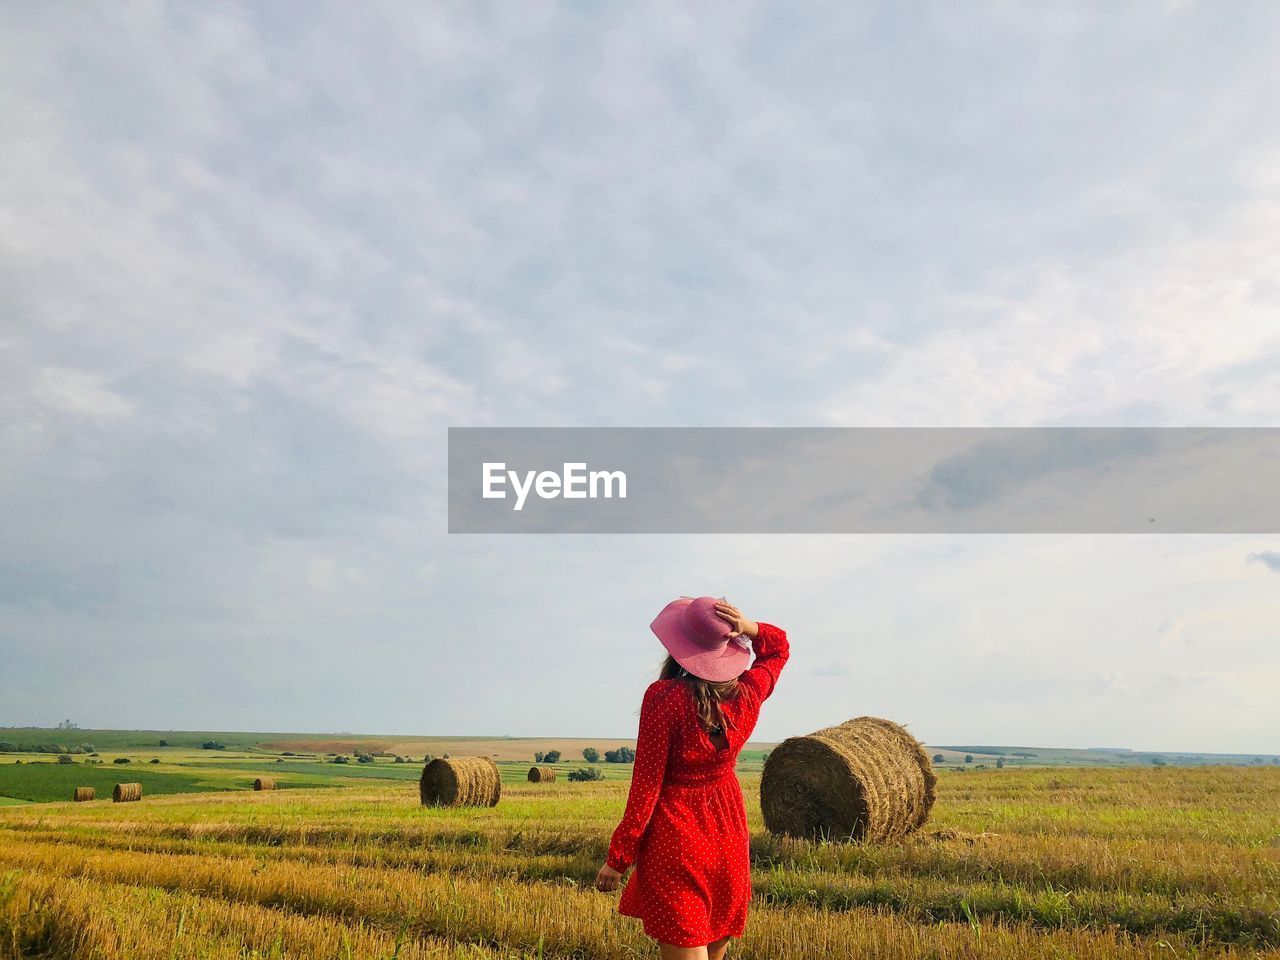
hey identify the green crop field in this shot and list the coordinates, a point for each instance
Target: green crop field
(45, 780)
(167, 762)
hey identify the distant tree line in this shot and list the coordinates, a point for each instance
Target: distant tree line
(8, 747)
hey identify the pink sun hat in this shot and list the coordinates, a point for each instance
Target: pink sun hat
(699, 640)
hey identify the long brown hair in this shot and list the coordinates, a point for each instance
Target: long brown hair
(707, 695)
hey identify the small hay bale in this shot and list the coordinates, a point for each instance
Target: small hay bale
(82, 794)
(264, 783)
(867, 779)
(460, 782)
(542, 774)
(126, 792)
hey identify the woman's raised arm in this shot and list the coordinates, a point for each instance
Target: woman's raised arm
(769, 643)
(771, 650)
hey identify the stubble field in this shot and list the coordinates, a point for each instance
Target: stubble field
(1027, 863)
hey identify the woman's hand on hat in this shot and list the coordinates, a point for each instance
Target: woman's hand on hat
(742, 627)
(607, 879)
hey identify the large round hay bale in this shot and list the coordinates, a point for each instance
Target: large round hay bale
(82, 794)
(264, 783)
(126, 792)
(867, 779)
(460, 782)
(542, 774)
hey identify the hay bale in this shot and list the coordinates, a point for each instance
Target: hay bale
(82, 794)
(542, 774)
(126, 792)
(460, 782)
(866, 779)
(264, 783)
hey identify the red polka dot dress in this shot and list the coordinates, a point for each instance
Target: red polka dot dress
(685, 827)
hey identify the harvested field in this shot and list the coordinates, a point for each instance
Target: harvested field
(1081, 863)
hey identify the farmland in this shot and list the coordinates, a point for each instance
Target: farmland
(168, 762)
(1094, 863)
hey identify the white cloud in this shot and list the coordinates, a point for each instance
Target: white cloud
(250, 273)
(77, 392)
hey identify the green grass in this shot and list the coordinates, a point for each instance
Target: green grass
(313, 768)
(40, 778)
(48, 781)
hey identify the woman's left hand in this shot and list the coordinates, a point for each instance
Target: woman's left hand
(607, 879)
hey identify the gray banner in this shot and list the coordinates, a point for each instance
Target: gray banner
(887, 480)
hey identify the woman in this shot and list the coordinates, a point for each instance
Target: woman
(685, 826)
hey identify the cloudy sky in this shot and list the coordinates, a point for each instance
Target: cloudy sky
(254, 260)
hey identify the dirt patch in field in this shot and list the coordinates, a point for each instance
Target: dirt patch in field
(499, 748)
(495, 748)
(958, 835)
(327, 746)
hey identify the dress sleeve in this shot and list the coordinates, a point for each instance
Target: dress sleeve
(772, 650)
(657, 714)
